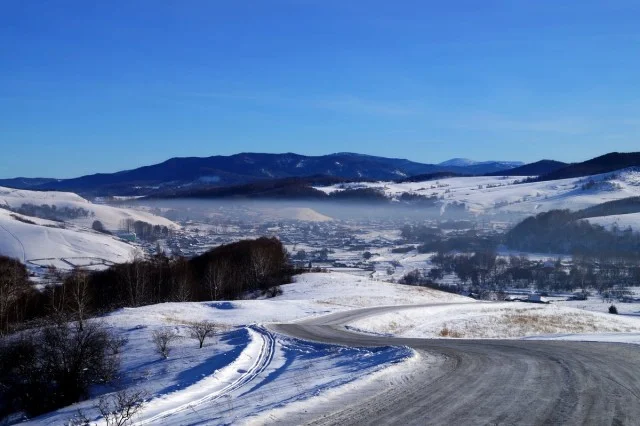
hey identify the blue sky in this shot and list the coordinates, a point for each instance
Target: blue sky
(91, 87)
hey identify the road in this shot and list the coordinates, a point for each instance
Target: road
(490, 382)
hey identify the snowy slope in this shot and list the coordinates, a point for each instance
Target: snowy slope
(45, 243)
(108, 215)
(500, 320)
(621, 221)
(311, 295)
(247, 373)
(486, 194)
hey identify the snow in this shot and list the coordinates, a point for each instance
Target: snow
(245, 373)
(620, 221)
(45, 243)
(499, 320)
(110, 217)
(486, 194)
(632, 338)
(311, 295)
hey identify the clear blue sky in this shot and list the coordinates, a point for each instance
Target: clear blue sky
(100, 86)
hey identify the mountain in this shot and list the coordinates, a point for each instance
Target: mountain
(430, 176)
(603, 164)
(616, 207)
(294, 188)
(244, 168)
(465, 162)
(532, 169)
(472, 167)
(458, 162)
(25, 183)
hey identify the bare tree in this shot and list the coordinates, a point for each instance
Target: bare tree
(214, 276)
(119, 409)
(79, 295)
(200, 330)
(79, 419)
(181, 280)
(127, 225)
(13, 284)
(162, 339)
(135, 277)
(116, 344)
(261, 263)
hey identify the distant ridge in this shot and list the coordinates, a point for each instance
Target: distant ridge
(465, 162)
(533, 169)
(244, 168)
(602, 164)
(25, 183)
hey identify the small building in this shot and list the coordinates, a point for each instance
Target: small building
(127, 236)
(536, 298)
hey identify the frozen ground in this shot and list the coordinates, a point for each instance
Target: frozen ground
(486, 194)
(108, 215)
(502, 320)
(43, 242)
(246, 373)
(65, 245)
(311, 295)
(620, 221)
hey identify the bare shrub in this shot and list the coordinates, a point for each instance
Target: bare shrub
(273, 291)
(54, 367)
(79, 419)
(200, 330)
(162, 339)
(116, 344)
(119, 409)
(99, 227)
(447, 332)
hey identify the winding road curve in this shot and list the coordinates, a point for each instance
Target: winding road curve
(491, 382)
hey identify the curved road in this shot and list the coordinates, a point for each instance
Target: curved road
(491, 382)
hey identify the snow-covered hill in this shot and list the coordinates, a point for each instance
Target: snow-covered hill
(619, 221)
(491, 194)
(110, 217)
(247, 374)
(67, 244)
(39, 242)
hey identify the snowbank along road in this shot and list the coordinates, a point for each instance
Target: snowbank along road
(496, 382)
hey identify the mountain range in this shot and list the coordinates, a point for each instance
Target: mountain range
(248, 172)
(245, 168)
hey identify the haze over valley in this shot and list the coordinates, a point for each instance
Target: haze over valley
(319, 213)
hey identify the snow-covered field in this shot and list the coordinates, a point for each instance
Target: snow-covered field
(44, 243)
(620, 221)
(502, 320)
(110, 217)
(485, 194)
(68, 244)
(247, 374)
(311, 295)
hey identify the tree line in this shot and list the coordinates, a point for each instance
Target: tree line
(484, 270)
(143, 230)
(52, 212)
(225, 272)
(563, 232)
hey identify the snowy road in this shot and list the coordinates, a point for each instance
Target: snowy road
(490, 381)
